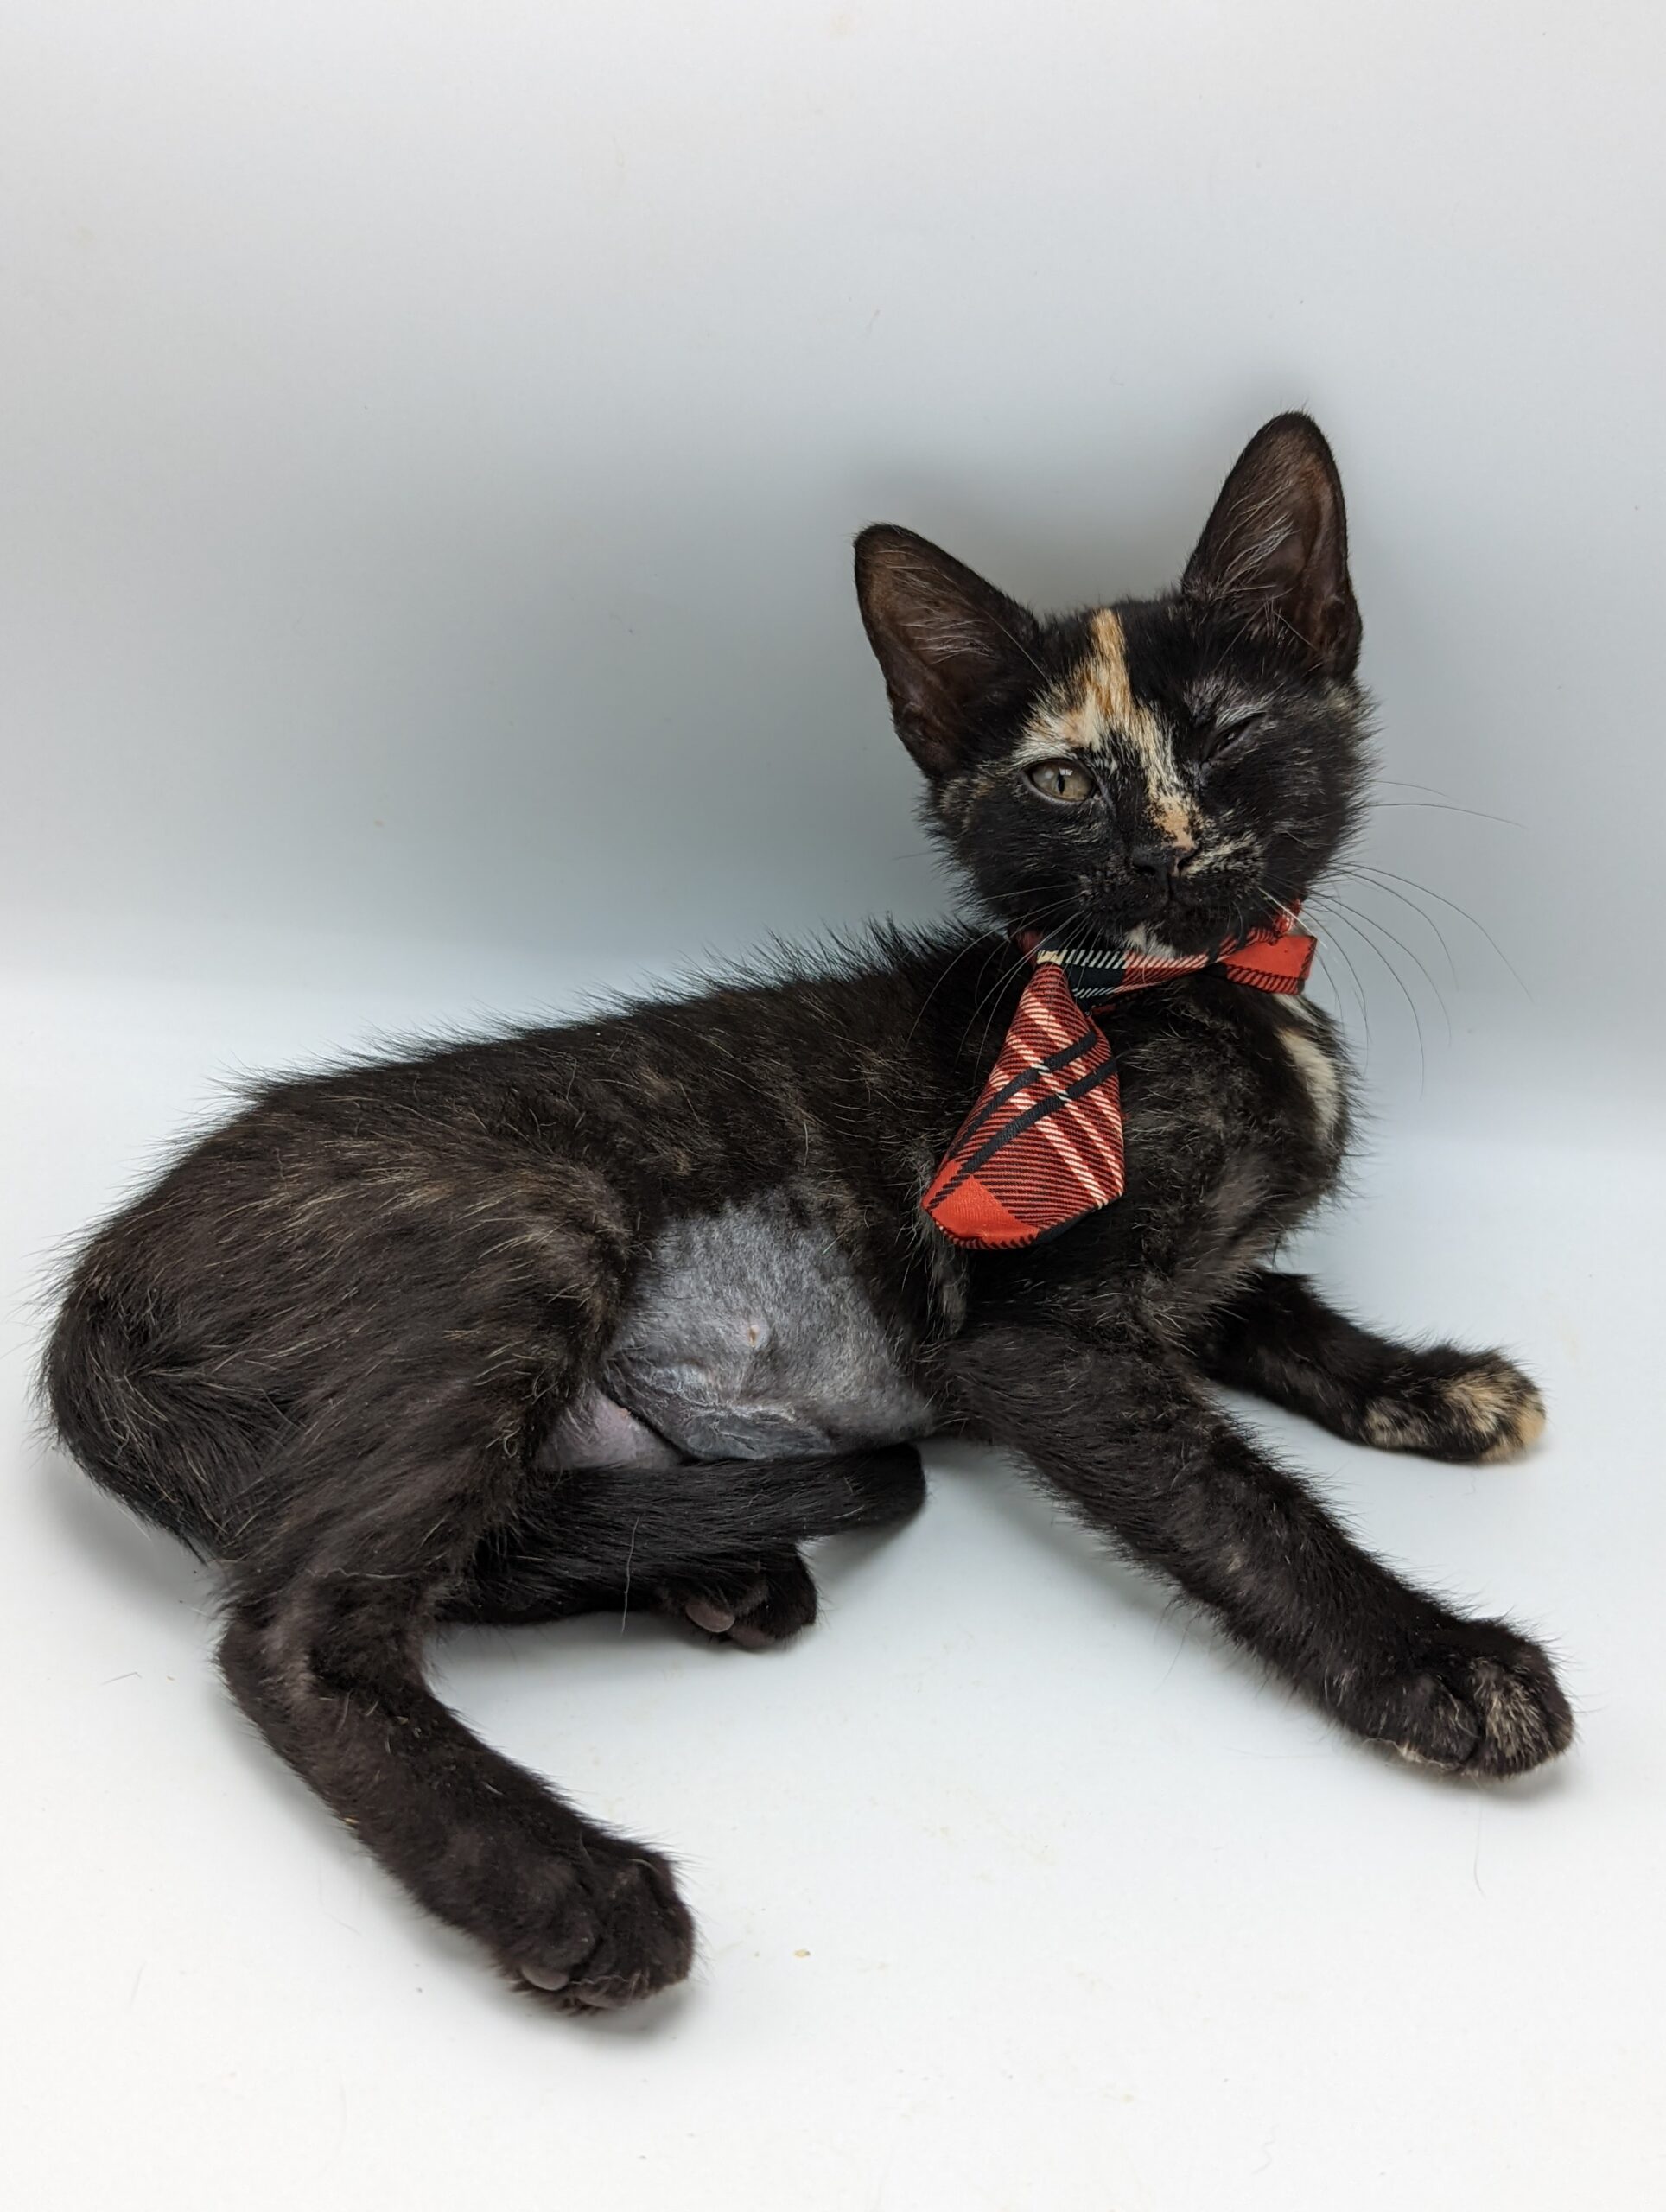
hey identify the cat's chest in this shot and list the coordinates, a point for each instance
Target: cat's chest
(1237, 1121)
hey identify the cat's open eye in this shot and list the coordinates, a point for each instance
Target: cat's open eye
(1063, 781)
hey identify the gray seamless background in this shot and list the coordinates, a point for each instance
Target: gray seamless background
(433, 448)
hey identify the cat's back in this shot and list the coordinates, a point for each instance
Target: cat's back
(832, 1077)
(446, 1209)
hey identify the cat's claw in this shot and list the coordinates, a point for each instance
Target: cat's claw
(706, 1613)
(754, 1605)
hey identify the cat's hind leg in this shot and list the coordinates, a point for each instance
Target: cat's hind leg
(369, 1530)
(330, 1671)
(1279, 1339)
(711, 1543)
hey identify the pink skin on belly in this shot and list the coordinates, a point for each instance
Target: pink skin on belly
(596, 1432)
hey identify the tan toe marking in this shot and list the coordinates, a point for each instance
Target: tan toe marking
(1498, 1397)
(1492, 1405)
(1523, 1425)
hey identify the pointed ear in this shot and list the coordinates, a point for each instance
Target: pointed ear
(1276, 546)
(946, 640)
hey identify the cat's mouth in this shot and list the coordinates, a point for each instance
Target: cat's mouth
(1180, 925)
(1192, 912)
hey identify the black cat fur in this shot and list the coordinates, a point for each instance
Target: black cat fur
(340, 1344)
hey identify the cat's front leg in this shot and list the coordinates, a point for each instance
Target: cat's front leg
(1280, 1339)
(1121, 1428)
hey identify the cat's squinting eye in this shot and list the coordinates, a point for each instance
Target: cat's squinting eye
(1231, 738)
(1063, 781)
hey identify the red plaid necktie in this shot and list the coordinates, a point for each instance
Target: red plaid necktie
(1043, 1146)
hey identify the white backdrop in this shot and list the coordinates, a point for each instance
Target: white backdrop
(432, 436)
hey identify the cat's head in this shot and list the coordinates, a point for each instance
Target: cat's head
(1169, 770)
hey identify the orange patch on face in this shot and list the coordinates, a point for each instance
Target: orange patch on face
(1099, 712)
(1109, 695)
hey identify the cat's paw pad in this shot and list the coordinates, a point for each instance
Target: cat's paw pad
(614, 1931)
(1478, 1700)
(1453, 1405)
(754, 1605)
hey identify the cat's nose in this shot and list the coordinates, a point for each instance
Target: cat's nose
(1160, 859)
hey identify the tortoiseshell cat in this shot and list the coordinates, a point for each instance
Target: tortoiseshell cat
(623, 1311)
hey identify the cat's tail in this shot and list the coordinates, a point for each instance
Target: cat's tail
(586, 1531)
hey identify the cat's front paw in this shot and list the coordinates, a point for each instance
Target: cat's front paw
(1449, 1404)
(1475, 1699)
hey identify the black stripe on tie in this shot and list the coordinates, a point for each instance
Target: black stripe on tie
(1050, 1105)
(1050, 1065)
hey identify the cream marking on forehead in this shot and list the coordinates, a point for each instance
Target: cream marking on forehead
(1099, 712)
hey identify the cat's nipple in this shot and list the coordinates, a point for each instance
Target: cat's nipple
(757, 1335)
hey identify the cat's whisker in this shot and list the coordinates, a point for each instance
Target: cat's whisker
(1358, 876)
(1046, 914)
(949, 968)
(1013, 641)
(1007, 976)
(1346, 959)
(1399, 984)
(1010, 968)
(1342, 954)
(1320, 963)
(1372, 921)
(1446, 806)
(1475, 923)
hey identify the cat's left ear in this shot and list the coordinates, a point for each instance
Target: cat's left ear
(948, 643)
(1275, 549)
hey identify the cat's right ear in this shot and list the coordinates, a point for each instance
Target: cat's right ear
(944, 639)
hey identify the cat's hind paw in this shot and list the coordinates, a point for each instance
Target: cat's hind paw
(595, 1929)
(754, 1605)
